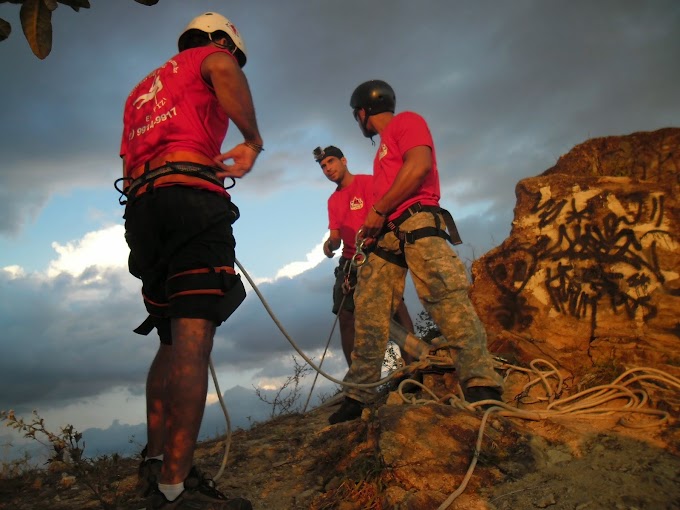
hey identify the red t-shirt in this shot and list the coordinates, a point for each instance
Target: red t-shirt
(174, 109)
(405, 131)
(347, 210)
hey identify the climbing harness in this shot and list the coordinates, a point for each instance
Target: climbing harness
(215, 281)
(133, 187)
(450, 232)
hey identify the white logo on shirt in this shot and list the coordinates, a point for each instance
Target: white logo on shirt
(155, 88)
(383, 151)
(355, 204)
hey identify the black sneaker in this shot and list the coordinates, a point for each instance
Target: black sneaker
(199, 494)
(479, 393)
(349, 410)
(148, 475)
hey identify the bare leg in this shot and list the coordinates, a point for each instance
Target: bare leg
(156, 396)
(346, 320)
(187, 387)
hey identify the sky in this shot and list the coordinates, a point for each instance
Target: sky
(506, 87)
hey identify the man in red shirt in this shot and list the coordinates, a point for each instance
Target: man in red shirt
(178, 221)
(410, 230)
(347, 209)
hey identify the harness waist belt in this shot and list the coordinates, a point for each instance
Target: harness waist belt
(175, 167)
(452, 235)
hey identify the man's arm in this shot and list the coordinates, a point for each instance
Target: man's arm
(332, 243)
(233, 93)
(417, 164)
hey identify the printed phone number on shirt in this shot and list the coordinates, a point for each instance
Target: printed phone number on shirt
(152, 122)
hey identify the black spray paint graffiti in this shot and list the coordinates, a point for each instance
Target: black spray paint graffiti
(586, 264)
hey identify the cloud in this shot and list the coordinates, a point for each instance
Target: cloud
(67, 331)
(103, 248)
(312, 259)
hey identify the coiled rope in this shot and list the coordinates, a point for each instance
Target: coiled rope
(589, 402)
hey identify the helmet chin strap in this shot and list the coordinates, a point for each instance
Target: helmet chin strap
(365, 131)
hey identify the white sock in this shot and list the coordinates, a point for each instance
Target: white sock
(157, 457)
(171, 491)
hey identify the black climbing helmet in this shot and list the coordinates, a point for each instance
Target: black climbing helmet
(374, 96)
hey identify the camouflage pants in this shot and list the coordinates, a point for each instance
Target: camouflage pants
(442, 286)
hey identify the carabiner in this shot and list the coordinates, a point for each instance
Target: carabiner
(359, 258)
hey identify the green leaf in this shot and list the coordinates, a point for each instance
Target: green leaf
(5, 29)
(76, 4)
(36, 21)
(147, 2)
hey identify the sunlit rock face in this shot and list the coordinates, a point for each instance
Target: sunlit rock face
(591, 270)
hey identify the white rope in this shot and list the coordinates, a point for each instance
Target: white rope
(328, 342)
(589, 402)
(227, 445)
(302, 354)
(299, 351)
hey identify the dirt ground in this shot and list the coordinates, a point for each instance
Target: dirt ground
(571, 464)
(576, 464)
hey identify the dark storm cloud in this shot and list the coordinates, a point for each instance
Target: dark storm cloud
(497, 81)
(61, 344)
(70, 338)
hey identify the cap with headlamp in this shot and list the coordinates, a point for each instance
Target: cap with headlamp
(321, 154)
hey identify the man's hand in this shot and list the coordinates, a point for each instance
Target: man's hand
(243, 158)
(327, 250)
(372, 226)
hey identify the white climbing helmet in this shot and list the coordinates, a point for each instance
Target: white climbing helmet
(212, 22)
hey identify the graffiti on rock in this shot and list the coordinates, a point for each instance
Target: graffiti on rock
(597, 250)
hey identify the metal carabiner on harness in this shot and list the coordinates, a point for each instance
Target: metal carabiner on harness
(347, 286)
(359, 258)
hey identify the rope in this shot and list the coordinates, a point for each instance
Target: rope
(227, 446)
(302, 354)
(323, 356)
(299, 351)
(357, 261)
(589, 402)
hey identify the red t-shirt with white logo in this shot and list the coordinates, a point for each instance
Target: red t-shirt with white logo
(174, 109)
(347, 210)
(405, 131)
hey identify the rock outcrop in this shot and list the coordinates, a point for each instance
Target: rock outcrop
(591, 270)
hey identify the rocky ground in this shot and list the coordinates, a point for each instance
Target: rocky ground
(300, 462)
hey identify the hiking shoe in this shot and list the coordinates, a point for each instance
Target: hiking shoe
(148, 475)
(199, 494)
(349, 410)
(478, 393)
